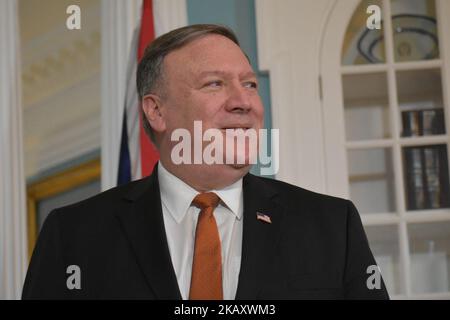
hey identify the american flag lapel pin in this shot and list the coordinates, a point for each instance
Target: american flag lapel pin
(263, 217)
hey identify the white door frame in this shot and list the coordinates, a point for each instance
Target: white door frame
(332, 104)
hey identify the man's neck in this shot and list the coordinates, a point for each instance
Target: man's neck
(205, 177)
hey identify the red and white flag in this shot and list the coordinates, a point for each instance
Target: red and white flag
(138, 155)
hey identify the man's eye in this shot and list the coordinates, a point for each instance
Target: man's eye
(214, 84)
(251, 84)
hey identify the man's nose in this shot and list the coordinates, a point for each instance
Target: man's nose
(238, 99)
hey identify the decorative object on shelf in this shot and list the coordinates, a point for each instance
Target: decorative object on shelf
(426, 177)
(423, 122)
(415, 38)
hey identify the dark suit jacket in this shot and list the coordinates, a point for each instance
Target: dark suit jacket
(315, 247)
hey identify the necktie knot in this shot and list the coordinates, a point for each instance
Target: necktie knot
(206, 200)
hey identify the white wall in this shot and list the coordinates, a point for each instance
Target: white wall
(289, 37)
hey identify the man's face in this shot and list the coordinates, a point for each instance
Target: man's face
(210, 80)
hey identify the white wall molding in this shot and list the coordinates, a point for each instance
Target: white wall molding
(75, 130)
(59, 58)
(289, 34)
(13, 245)
(63, 64)
(119, 20)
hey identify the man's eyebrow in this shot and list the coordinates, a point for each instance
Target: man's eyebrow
(249, 74)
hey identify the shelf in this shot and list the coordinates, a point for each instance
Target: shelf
(362, 103)
(364, 68)
(418, 65)
(405, 142)
(398, 297)
(380, 219)
(430, 296)
(414, 103)
(398, 66)
(424, 216)
(370, 144)
(427, 296)
(424, 140)
(368, 177)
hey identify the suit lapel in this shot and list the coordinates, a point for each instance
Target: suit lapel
(143, 225)
(259, 237)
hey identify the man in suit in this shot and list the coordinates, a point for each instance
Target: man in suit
(202, 231)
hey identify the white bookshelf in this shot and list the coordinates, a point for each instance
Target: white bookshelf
(412, 247)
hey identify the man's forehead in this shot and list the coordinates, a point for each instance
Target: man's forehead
(209, 55)
(211, 46)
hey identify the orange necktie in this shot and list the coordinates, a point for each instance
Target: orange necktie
(206, 281)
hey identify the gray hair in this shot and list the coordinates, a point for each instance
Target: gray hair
(150, 76)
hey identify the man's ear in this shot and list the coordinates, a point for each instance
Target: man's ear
(151, 105)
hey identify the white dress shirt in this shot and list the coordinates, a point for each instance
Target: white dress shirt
(180, 222)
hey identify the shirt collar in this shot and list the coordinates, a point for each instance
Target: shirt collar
(232, 197)
(177, 196)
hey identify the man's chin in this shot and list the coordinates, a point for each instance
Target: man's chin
(240, 167)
